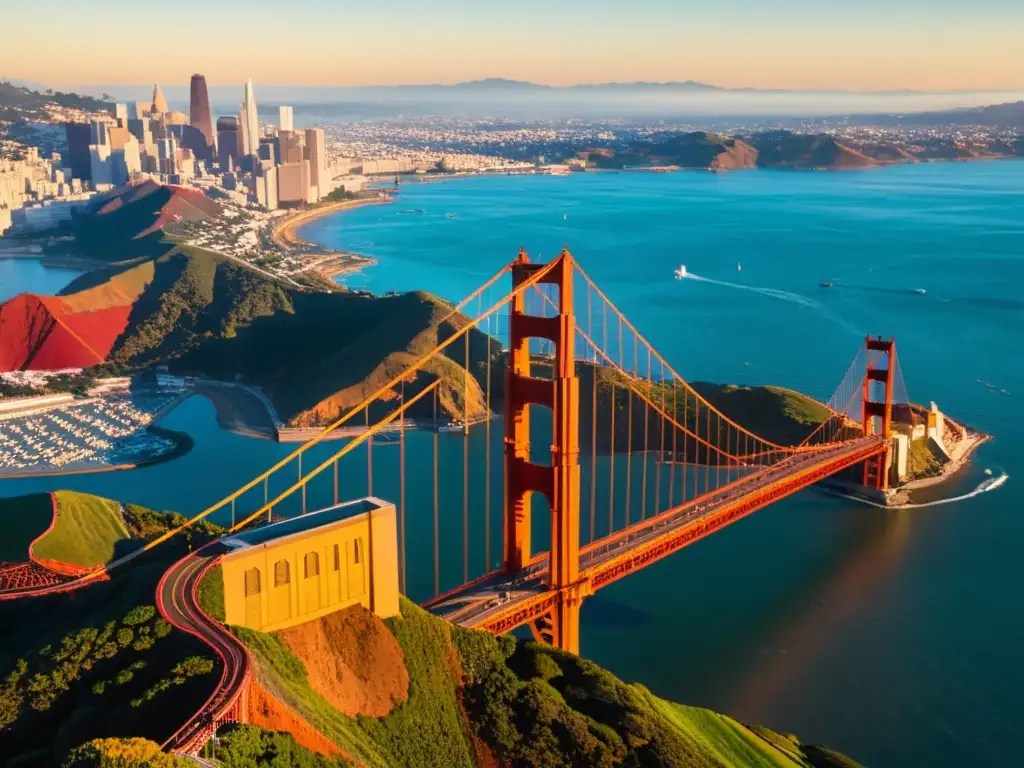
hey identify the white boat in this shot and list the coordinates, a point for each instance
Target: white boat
(921, 291)
(450, 215)
(739, 267)
(681, 272)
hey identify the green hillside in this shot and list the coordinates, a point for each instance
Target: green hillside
(783, 416)
(204, 315)
(473, 695)
(89, 530)
(86, 532)
(101, 663)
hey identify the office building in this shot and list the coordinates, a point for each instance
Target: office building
(136, 110)
(121, 113)
(293, 183)
(285, 121)
(200, 115)
(266, 188)
(101, 169)
(290, 146)
(79, 137)
(159, 102)
(248, 122)
(97, 132)
(316, 153)
(227, 141)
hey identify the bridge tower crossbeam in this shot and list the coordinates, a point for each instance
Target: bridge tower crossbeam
(559, 482)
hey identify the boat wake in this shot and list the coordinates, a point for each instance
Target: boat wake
(773, 293)
(986, 485)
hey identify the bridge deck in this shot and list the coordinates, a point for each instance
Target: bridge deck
(503, 601)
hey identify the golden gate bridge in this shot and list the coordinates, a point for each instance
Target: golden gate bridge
(606, 460)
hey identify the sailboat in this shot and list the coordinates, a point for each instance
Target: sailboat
(681, 272)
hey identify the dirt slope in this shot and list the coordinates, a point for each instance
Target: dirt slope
(353, 661)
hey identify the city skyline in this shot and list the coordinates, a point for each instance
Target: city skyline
(794, 44)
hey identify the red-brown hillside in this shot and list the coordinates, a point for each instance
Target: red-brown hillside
(45, 333)
(142, 209)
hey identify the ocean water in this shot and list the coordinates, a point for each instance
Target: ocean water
(22, 275)
(894, 636)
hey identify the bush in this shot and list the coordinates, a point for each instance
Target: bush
(122, 753)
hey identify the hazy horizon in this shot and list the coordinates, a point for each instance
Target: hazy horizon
(929, 45)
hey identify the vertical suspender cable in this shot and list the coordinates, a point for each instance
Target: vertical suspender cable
(437, 578)
(647, 424)
(369, 457)
(487, 456)
(401, 494)
(465, 466)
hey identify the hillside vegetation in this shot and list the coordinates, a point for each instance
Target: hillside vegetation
(89, 531)
(475, 699)
(101, 663)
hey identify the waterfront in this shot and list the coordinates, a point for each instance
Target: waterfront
(892, 636)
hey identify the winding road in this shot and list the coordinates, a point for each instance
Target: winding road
(177, 602)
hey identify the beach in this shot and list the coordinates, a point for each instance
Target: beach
(327, 263)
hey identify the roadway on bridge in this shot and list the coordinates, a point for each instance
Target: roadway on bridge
(176, 600)
(501, 594)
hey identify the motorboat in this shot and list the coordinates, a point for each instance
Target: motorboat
(826, 285)
(920, 291)
(681, 272)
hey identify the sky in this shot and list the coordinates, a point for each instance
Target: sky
(799, 44)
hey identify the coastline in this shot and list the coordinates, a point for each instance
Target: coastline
(328, 264)
(183, 443)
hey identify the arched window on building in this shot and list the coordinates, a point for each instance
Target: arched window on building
(252, 582)
(282, 573)
(311, 565)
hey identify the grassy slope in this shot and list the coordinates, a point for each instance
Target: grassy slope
(87, 659)
(87, 531)
(22, 519)
(529, 705)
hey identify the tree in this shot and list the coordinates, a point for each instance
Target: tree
(121, 753)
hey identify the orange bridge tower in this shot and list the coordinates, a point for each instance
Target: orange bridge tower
(559, 482)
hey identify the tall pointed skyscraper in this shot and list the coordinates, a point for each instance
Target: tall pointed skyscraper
(250, 123)
(200, 115)
(159, 102)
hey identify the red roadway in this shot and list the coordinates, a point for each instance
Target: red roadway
(176, 600)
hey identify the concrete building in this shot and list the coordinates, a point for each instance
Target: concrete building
(101, 169)
(78, 160)
(293, 183)
(159, 105)
(285, 121)
(199, 114)
(301, 569)
(266, 188)
(227, 141)
(249, 122)
(290, 147)
(121, 113)
(316, 153)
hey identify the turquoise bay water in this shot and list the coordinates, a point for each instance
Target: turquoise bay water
(892, 635)
(22, 275)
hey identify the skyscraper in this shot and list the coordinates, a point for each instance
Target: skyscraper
(200, 115)
(285, 120)
(227, 140)
(316, 150)
(249, 123)
(159, 102)
(79, 137)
